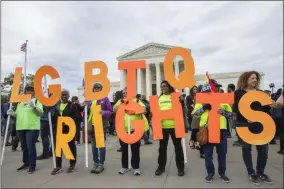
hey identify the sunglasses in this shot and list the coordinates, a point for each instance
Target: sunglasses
(97, 87)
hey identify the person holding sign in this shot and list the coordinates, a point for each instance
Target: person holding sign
(99, 154)
(165, 103)
(135, 148)
(28, 126)
(66, 109)
(225, 112)
(248, 82)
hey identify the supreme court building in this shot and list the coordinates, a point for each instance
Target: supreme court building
(149, 79)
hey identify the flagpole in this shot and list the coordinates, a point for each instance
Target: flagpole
(25, 71)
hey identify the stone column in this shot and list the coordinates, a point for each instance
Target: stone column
(148, 81)
(176, 71)
(122, 79)
(158, 78)
(139, 81)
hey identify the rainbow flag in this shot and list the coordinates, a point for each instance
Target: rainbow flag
(208, 86)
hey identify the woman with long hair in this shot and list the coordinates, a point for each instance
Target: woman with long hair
(248, 82)
(165, 103)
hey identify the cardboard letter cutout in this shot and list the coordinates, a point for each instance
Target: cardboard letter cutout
(137, 125)
(15, 97)
(90, 79)
(214, 99)
(55, 90)
(158, 115)
(131, 68)
(98, 126)
(186, 78)
(63, 139)
(267, 122)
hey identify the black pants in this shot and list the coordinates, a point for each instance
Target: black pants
(45, 134)
(282, 135)
(78, 130)
(146, 136)
(162, 159)
(15, 138)
(73, 149)
(135, 158)
(193, 134)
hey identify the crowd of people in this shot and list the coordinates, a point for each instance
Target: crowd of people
(29, 120)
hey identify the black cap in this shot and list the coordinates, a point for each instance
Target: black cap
(215, 83)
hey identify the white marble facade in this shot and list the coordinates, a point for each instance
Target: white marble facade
(149, 79)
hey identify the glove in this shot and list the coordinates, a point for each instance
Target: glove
(31, 104)
(207, 107)
(10, 112)
(101, 112)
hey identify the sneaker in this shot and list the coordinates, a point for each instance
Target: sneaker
(197, 146)
(31, 170)
(41, 157)
(209, 178)
(181, 172)
(23, 167)
(191, 144)
(78, 143)
(229, 136)
(119, 150)
(254, 179)
(272, 142)
(159, 171)
(225, 179)
(56, 170)
(8, 144)
(281, 152)
(148, 142)
(71, 169)
(265, 179)
(94, 168)
(99, 169)
(122, 171)
(237, 143)
(137, 172)
(202, 156)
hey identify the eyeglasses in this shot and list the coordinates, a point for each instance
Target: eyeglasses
(97, 87)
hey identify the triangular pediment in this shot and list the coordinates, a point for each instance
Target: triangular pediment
(146, 51)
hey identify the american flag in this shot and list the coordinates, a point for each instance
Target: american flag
(23, 47)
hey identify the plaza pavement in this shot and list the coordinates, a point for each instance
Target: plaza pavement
(82, 178)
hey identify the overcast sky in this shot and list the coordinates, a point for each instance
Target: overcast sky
(223, 36)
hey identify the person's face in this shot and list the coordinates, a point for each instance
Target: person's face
(252, 81)
(124, 94)
(165, 88)
(64, 96)
(194, 90)
(97, 88)
(30, 91)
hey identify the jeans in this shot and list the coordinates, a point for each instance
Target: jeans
(221, 150)
(44, 134)
(99, 154)
(28, 142)
(162, 159)
(262, 156)
(146, 135)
